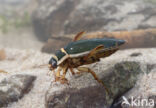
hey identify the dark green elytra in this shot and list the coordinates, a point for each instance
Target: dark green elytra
(87, 45)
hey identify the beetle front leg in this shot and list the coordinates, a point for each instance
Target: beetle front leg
(57, 74)
(85, 69)
(62, 78)
(64, 71)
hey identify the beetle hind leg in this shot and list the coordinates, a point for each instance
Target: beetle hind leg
(94, 51)
(85, 69)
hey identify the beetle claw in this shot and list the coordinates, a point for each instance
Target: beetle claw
(57, 79)
(62, 80)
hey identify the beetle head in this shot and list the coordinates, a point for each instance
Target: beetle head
(52, 63)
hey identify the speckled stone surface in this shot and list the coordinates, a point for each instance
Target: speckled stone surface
(14, 88)
(29, 62)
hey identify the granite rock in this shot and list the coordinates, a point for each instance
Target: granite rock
(83, 92)
(14, 88)
(139, 72)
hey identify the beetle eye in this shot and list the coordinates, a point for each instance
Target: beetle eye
(53, 62)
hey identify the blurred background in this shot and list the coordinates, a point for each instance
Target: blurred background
(47, 25)
(30, 27)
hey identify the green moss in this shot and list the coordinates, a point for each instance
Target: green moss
(22, 22)
(14, 22)
(4, 24)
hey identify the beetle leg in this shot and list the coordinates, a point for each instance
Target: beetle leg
(72, 71)
(64, 71)
(78, 36)
(57, 74)
(62, 78)
(85, 69)
(59, 77)
(93, 51)
(62, 49)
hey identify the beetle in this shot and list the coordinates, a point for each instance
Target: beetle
(82, 52)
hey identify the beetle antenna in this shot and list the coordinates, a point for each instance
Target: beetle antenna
(41, 66)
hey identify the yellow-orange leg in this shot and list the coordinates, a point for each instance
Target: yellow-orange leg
(64, 71)
(60, 77)
(94, 51)
(57, 74)
(85, 69)
(72, 71)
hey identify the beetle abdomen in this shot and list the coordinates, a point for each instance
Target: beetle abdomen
(82, 47)
(87, 45)
(78, 61)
